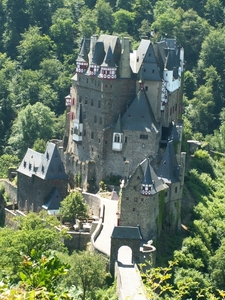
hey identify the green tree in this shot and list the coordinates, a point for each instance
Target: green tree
(88, 23)
(33, 48)
(217, 266)
(214, 12)
(190, 84)
(33, 122)
(63, 33)
(190, 34)
(123, 21)
(34, 234)
(104, 15)
(7, 161)
(39, 146)
(88, 271)
(212, 51)
(73, 206)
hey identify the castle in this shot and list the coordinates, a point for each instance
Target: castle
(124, 119)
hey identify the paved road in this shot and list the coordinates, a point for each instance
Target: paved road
(110, 220)
(131, 284)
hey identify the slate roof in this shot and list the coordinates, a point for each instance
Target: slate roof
(118, 127)
(126, 232)
(174, 136)
(109, 59)
(169, 169)
(144, 60)
(147, 175)
(169, 55)
(83, 55)
(139, 115)
(46, 166)
(158, 184)
(53, 203)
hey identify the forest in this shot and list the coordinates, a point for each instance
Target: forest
(39, 43)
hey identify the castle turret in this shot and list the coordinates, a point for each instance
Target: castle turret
(147, 182)
(108, 67)
(82, 60)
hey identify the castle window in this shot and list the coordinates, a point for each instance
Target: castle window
(142, 199)
(105, 85)
(144, 70)
(125, 139)
(92, 102)
(105, 142)
(99, 141)
(30, 166)
(153, 71)
(149, 54)
(133, 208)
(166, 194)
(124, 159)
(138, 59)
(135, 199)
(92, 149)
(146, 88)
(100, 120)
(135, 188)
(111, 85)
(171, 111)
(24, 164)
(138, 177)
(80, 98)
(176, 107)
(86, 100)
(95, 119)
(117, 138)
(84, 132)
(127, 198)
(87, 80)
(143, 136)
(176, 189)
(92, 135)
(99, 103)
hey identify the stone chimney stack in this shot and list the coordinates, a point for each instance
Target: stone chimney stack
(124, 65)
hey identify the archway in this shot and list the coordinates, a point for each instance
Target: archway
(125, 255)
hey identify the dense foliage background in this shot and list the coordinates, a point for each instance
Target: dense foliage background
(39, 41)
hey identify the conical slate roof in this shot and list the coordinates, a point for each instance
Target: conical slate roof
(83, 55)
(109, 59)
(168, 168)
(147, 176)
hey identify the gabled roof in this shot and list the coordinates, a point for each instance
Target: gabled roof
(53, 202)
(46, 166)
(168, 169)
(143, 60)
(126, 232)
(139, 115)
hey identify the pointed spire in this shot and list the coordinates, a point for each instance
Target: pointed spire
(109, 59)
(118, 127)
(83, 56)
(147, 176)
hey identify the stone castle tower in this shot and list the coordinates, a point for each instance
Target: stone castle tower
(123, 119)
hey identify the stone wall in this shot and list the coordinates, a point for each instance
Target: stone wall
(78, 241)
(94, 203)
(10, 189)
